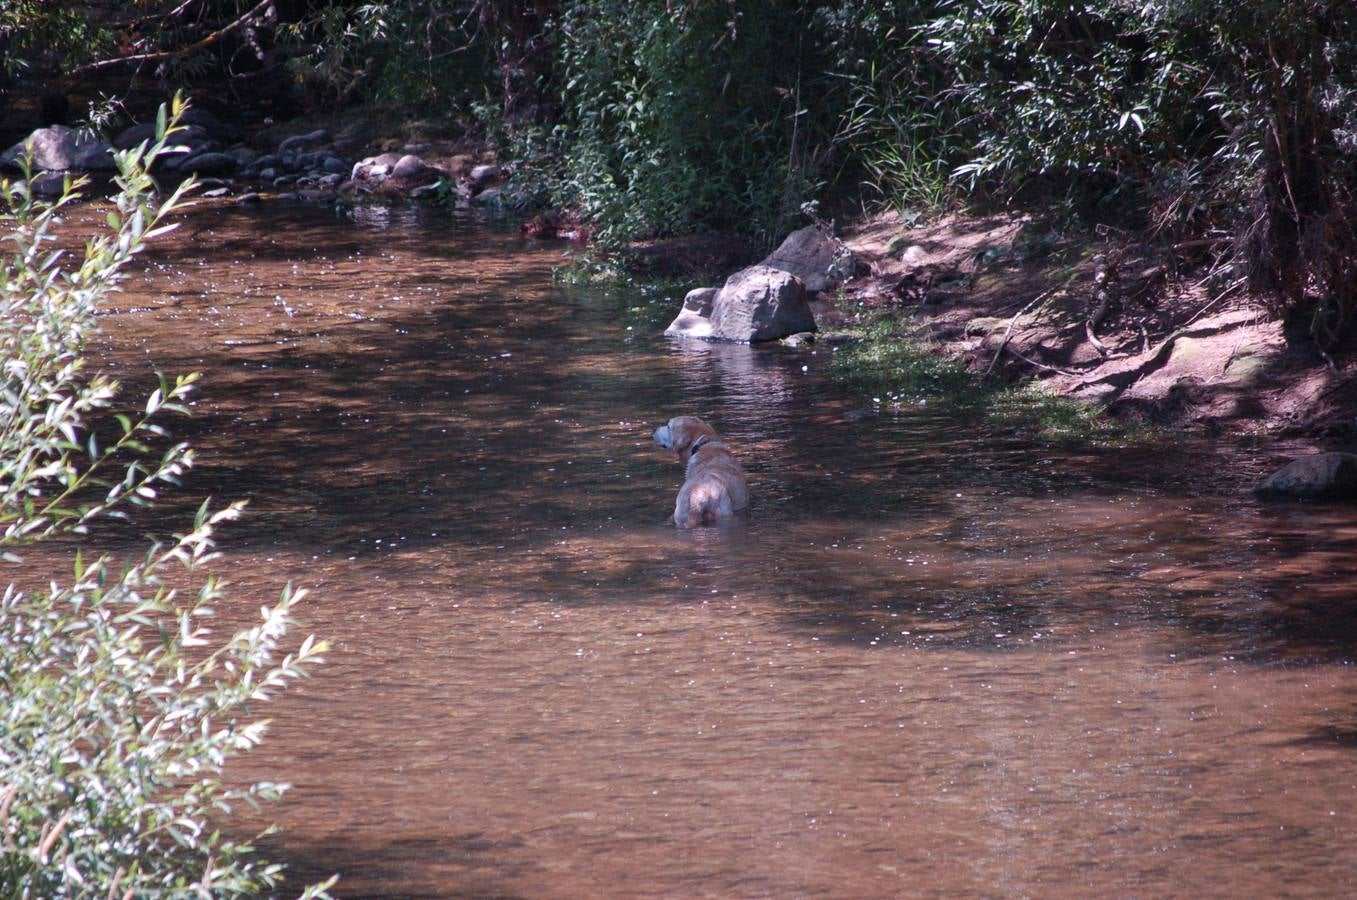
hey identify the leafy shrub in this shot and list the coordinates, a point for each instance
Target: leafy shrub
(117, 709)
(882, 80)
(421, 54)
(679, 115)
(63, 41)
(48, 34)
(1230, 120)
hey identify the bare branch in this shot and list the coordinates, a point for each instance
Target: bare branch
(161, 55)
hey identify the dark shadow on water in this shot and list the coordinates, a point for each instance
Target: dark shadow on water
(445, 400)
(451, 866)
(998, 663)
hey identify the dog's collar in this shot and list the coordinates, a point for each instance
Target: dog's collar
(698, 443)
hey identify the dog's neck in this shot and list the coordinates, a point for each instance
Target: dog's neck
(697, 444)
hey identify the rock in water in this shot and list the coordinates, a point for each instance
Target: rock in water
(760, 303)
(1322, 476)
(756, 304)
(694, 320)
(55, 148)
(411, 166)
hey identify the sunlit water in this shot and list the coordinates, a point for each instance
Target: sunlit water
(928, 662)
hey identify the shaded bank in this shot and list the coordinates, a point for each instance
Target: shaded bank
(1101, 321)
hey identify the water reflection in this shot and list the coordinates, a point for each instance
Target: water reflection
(928, 661)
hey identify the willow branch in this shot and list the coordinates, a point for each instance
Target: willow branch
(162, 55)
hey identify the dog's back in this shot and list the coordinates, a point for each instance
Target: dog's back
(715, 486)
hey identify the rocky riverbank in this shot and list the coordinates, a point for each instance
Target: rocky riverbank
(1098, 319)
(314, 164)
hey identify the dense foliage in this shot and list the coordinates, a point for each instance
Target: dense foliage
(1192, 119)
(1224, 127)
(118, 707)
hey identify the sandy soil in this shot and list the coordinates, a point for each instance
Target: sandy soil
(1101, 321)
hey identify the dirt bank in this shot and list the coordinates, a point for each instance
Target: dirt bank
(1099, 319)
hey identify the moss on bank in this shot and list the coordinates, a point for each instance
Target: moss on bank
(896, 370)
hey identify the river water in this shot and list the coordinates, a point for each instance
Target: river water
(929, 662)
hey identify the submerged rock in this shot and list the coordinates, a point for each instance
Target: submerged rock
(1322, 476)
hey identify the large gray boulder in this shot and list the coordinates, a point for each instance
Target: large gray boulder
(1322, 476)
(55, 148)
(759, 303)
(816, 257)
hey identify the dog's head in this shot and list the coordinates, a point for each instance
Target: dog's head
(682, 433)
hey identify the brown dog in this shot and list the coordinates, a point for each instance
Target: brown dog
(715, 486)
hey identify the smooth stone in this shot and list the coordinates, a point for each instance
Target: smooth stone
(211, 163)
(300, 143)
(819, 259)
(1321, 476)
(694, 319)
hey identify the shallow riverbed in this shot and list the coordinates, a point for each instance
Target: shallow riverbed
(928, 662)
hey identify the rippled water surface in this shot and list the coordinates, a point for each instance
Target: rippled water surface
(929, 661)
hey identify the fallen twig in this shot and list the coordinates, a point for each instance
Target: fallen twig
(1197, 244)
(1093, 339)
(1008, 332)
(1230, 289)
(1041, 365)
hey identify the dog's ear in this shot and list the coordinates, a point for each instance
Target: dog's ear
(681, 436)
(690, 433)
